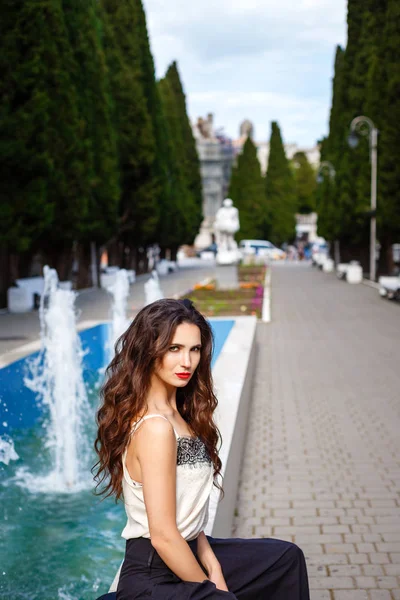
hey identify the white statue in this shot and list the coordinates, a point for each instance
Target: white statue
(226, 224)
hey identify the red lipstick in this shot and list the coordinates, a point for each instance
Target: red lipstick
(183, 375)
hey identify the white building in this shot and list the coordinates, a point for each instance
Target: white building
(247, 129)
(306, 227)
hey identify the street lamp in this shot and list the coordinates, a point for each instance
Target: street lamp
(363, 126)
(327, 167)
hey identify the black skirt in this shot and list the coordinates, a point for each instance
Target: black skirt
(254, 569)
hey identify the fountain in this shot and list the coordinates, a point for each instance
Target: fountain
(7, 450)
(152, 289)
(56, 378)
(119, 291)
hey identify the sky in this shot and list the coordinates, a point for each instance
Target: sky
(263, 60)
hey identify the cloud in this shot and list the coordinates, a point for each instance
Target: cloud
(260, 59)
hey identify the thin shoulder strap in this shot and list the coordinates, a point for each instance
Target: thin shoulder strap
(139, 423)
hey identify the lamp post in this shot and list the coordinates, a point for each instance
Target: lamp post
(327, 167)
(364, 126)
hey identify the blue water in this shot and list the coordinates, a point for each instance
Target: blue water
(56, 546)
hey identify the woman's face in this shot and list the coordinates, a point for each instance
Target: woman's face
(182, 357)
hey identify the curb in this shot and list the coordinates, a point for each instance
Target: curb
(266, 309)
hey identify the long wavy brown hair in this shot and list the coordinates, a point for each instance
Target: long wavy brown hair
(128, 376)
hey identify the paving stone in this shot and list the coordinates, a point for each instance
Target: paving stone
(377, 558)
(331, 583)
(347, 570)
(320, 595)
(367, 547)
(392, 570)
(327, 559)
(335, 529)
(350, 595)
(380, 595)
(395, 558)
(387, 582)
(364, 582)
(373, 570)
(340, 548)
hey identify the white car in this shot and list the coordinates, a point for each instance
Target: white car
(261, 248)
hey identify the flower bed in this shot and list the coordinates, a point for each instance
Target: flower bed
(247, 300)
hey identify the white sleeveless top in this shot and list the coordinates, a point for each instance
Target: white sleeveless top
(194, 482)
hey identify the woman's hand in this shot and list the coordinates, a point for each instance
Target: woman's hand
(217, 577)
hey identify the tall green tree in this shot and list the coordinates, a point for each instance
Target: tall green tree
(185, 212)
(91, 80)
(139, 210)
(46, 166)
(331, 217)
(366, 83)
(280, 193)
(25, 210)
(247, 191)
(163, 106)
(188, 151)
(174, 223)
(305, 183)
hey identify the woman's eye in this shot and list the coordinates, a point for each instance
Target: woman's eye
(174, 348)
(197, 349)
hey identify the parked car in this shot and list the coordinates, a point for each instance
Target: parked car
(261, 248)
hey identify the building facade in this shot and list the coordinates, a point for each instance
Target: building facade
(247, 129)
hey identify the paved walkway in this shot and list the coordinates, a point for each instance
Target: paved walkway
(95, 304)
(322, 462)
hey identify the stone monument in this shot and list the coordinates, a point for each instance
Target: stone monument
(216, 157)
(225, 226)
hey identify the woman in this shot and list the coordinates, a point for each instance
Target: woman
(157, 447)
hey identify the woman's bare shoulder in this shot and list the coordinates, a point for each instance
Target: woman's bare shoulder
(155, 430)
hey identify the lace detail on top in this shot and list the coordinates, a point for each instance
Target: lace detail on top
(192, 451)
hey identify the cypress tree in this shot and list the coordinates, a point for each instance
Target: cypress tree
(188, 152)
(305, 183)
(169, 188)
(25, 210)
(173, 223)
(280, 194)
(353, 166)
(42, 113)
(91, 81)
(248, 194)
(330, 214)
(139, 211)
(184, 161)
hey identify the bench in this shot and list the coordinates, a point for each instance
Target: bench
(328, 265)
(19, 300)
(350, 272)
(34, 285)
(389, 287)
(22, 298)
(165, 266)
(319, 259)
(341, 270)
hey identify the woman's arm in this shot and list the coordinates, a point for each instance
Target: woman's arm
(155, 445)
(210, 562)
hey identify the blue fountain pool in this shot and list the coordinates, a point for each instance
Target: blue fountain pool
(56, 546)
